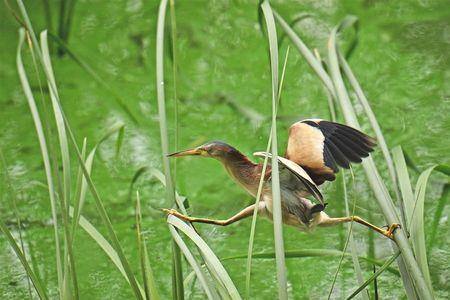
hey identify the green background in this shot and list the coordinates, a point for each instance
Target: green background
(402, 62)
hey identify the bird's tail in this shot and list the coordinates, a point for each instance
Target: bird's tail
(317, 208)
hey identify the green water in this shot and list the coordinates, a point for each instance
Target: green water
(402, 61)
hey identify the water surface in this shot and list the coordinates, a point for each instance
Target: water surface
(402, 62)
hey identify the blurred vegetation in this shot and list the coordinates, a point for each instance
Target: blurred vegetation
(96, 135)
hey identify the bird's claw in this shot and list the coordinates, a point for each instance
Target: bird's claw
(175, 213)
(391, 229)
(170, 211)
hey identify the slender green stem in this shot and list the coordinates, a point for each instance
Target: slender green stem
(339, 266)
(375, 275)
(78, 190)
(173, 23)
(69, 266)
(203, 279)
(178, 289)
(276, 197)
(258, 194)
(44, 151)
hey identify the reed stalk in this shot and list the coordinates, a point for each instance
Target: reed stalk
(276, 197)
(177, 274)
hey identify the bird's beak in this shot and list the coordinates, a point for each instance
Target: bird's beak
(194, 151)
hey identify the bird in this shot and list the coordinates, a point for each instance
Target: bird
(316, 149)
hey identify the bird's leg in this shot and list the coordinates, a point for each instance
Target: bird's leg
(246, 212)
(389, 232)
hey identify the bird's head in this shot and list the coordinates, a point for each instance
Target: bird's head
(215, 149)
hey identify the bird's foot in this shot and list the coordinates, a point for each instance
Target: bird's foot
(175, 213)
(390, 230)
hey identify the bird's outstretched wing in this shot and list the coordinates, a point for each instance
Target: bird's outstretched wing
(321, 146)
(293, 175)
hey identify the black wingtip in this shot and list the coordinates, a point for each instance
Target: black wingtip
(318, 208)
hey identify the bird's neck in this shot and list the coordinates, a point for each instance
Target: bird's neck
(243, 171)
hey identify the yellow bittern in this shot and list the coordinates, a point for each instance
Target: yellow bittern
(316, 148)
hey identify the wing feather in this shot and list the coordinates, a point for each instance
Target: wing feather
(290, 169)
(337, 154)
(320, 147)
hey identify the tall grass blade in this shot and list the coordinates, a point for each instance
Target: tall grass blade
(198, 271)
(258, 193)
(378, 187)
(81, 196)
(300, 17)
(84, 187)
(254, 218)
(44, 152)
(151, 291)
(375, 275)
(178, 292)
(69, 266)
(211, 260)
(414, 208)
(354, 253)
(404, 183)
(407, 199)
(78, 190)
(375, 285)
(347, 240)
(417, 225)
(162, 105)
(40, 290)
(276, 198)
(173, 28)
